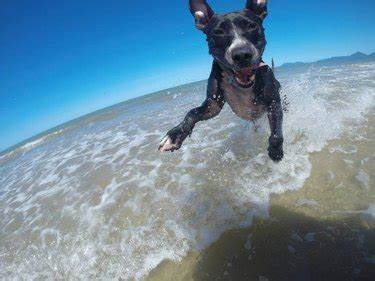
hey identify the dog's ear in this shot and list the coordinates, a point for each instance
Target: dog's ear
(258, 7)
(201, 12)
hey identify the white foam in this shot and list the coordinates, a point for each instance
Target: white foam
(363, 178)
(100, 200)
(370, 211)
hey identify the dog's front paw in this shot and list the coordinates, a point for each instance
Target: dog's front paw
(275, 148)
(276, 153)
(173, 140)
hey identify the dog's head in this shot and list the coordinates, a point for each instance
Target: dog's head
(236, 40)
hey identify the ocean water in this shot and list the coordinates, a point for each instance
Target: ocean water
(95, 199)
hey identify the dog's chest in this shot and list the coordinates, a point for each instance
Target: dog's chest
(241, 100)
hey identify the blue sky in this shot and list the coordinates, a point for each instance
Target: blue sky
(62, 59)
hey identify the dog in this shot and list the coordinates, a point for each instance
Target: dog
(238, 77)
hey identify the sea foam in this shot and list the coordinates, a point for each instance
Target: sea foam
(99, 201)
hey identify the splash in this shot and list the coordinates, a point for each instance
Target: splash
(99, 201)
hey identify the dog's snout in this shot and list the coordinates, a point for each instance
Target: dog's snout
(242, 55)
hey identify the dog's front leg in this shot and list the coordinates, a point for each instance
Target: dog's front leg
(210, 108)
(174, 138)
(275, 117)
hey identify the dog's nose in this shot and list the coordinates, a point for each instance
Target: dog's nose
(241, 55)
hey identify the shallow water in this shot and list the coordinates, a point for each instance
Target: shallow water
(96, 200)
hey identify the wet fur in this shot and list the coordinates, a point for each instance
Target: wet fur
(261, 97)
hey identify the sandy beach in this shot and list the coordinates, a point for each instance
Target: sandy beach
(94, 199)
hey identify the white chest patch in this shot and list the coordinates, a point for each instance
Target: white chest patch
(241, 100)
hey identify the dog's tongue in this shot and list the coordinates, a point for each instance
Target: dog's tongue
(244, 75)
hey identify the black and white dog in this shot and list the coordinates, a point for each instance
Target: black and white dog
(239, 77)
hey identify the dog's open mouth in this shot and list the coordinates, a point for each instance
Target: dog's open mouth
(243, 77)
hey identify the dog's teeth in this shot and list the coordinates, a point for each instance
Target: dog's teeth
(241, 82)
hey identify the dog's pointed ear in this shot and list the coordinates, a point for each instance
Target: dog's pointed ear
(201, 12)
(258, 7)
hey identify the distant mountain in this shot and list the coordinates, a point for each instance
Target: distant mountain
(354, 58)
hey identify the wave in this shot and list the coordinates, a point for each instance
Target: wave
(103, 202)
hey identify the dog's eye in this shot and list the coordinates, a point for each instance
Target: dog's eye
(218, 32)
(218, 42)
(252, 25)
(246, 24)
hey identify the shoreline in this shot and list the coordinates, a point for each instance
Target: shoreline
(318, 232)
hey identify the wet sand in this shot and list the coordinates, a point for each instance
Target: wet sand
(95, 200)
(319, 232)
